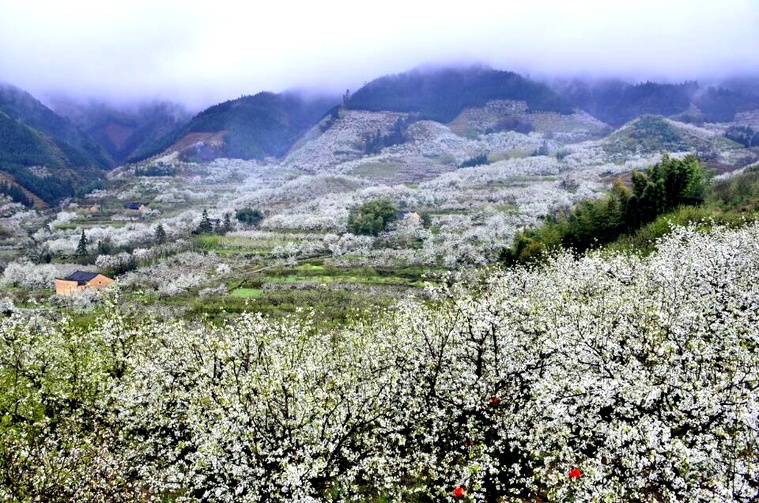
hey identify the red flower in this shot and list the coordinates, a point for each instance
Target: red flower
(495, 400)
(458, 492)
(575, 473)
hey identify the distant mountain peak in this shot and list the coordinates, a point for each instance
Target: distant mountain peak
(257, 126)
(441, 93)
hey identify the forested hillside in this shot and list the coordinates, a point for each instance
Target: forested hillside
(24, 108)
(252, 127)
(44, 153)
(441, 94)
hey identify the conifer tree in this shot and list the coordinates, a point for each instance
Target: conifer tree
(205, 226)
(226, 225)
(81, 247)
(160, 234)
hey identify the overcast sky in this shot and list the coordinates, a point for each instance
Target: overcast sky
(204, 52)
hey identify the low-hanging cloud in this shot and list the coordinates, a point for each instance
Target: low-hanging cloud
(204, 52)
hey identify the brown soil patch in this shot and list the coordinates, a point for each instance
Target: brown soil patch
(8, 179)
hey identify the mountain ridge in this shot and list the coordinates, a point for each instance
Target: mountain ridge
(256, 126)
(76, 144)
(443, 94)
(43, 153)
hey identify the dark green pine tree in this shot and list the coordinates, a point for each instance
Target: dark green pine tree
(81, 247)
(205, 226)
(226, 225)
(160, 234)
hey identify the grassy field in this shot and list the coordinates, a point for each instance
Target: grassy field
(247, 293)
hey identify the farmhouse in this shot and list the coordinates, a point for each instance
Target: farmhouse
(409, 216)
(134, 206)
(80, 281)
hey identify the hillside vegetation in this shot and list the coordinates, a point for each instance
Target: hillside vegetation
(123, 131)
(253, 127)
(441, 94)
(48, 168)
(670, 193)
(43, 153)
(79, 149)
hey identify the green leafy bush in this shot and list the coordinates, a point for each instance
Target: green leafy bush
(372, 217)
(249, 216)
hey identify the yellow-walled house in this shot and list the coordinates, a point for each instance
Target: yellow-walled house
(80, 281)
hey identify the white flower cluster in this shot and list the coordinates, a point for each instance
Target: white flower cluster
(342, 141)
(595, 379)
(62, 218)
(175, 274)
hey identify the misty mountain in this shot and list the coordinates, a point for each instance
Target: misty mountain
(250, 127)
(23, 107)
(745, 84)
(616, 102)
(440, 94)
(123, 131)
(44, 153)
(469, 100)
(52, 156)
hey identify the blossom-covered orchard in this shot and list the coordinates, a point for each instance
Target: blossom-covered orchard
(470, 213)
(594, 379)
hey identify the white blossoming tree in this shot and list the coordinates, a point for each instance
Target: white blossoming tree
(593, 379)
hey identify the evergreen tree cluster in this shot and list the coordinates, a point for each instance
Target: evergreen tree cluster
(205, 226)
(249, 216)
(477, 160)
(397, 135)
(160, 234)
(213, 226)
(81, 248)
(660, 189)
(159, 169)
